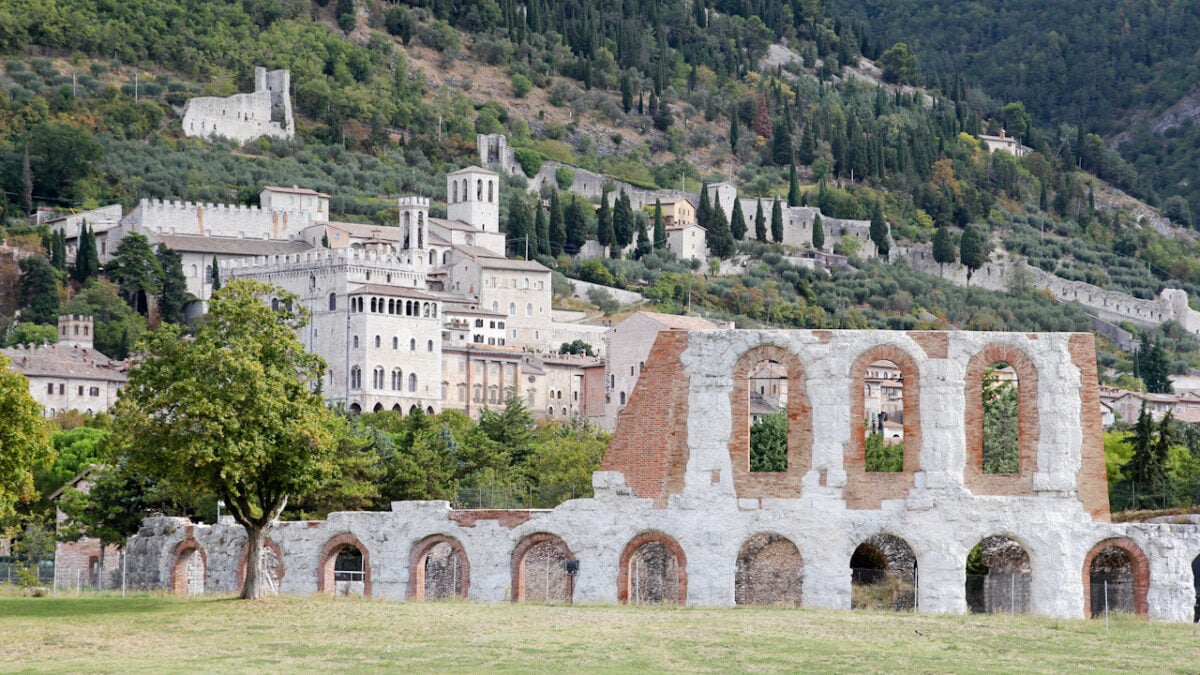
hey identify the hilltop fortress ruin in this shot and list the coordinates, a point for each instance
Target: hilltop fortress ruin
(244, 117)
(680, 517)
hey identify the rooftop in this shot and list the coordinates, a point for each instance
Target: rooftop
(192, 243)
(296, 191)
(67, 362)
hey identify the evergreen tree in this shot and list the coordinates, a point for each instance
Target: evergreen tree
(704, 210)
(1145, 466)
(135, 269)
(777, 223)
(58, 250)
(325, 240)
(1152, 367)
(793, 185)
(541, 233)
(818, 233)
(216, 275)
(660, 227)
(626, 93)
(762, 119)
(943, 248)
(87, 259)
(623, 221)
(737, 224)
(518, 235)
(781, 143)
(879, 231)
(577, 226)
(973, 250)
(760, 223)
(604, 222)
(558, 227)
(733, 130)
(172, 293)
(643, 239)
(37, 291)
(720, 240)
(807, 151)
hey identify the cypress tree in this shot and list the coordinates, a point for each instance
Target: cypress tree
(518, 229)
(704, 210)
(541, 234)
(973, 250)
(879, 231)
(720, 241)
(777, 223)
(643, 240)
(623, 221)
(733, 131)
(737, 224)
(558, 228)
(660, 227)
(37, 291)
(943, 248)
(760, 223)
(577, 226)
(793, 185)
(807, 151)
(818, 235)
(135, 269)
(781, 143)
(172, 294)
(216, 275)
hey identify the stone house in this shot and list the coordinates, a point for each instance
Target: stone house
(71, 374)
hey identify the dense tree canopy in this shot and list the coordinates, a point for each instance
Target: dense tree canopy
(24, 439)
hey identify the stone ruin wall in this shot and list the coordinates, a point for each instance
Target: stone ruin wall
(672, 492)
(218, 220)
(267, 111)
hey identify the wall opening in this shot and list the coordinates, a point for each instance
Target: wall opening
(539, 570)
(768, 387)
(349, 572)
(883, 407)
(1196, 583)
(653, 571)
(883, 575)
(999, 577)
(1001, 424)
(187, 577)
(1116, 577)
(439, 569)
(770, 571)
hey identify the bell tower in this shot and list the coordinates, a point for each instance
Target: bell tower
(473, 196)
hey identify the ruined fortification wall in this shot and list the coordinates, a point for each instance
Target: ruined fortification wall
(219, 220)
(675, 491)
(243, 117)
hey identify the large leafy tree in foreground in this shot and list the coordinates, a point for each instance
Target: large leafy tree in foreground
(24, 440)
(233, 410)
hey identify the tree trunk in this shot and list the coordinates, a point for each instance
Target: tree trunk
(255, 585)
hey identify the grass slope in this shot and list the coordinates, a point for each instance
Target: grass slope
(154, 633)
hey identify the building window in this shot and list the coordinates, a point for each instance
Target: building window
(62, 389)
(355, 378)
(94, 391)
(81, 390)
(512, 309)
(377, 378)
(354, 342)
(377, 342)
(412, 382)
(395, 343)
(412, 344)
(332, 301)
(429, 346)
(529, 309)
(622, 398)
(50, 388)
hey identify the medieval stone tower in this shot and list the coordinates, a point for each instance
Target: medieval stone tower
(75, 330)
(414, 222)
(473, 196)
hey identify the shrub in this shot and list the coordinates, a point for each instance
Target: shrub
(520, 85)
(564, 177)
(530, 160)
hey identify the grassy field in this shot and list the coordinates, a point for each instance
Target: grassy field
(156, 633)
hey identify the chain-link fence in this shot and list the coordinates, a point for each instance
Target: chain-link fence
(1128, 495)
(17, 573)
(883, 590)
(521, 497)
(999, 593)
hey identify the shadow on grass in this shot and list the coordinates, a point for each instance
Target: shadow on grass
(59, 607)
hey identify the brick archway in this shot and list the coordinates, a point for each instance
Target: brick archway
(974, 479)
(1140, 568)
(866, 490)
(781, 484)
(268, 545)
(328, 559)
(539, 541)
(183, 566)
(624, 577)
(416, 566)
(770, 571)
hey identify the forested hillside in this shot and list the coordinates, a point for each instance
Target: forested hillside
(1109, 67)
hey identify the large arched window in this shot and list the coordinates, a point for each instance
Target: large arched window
(1116, 577)
(332, 301)
(883, 574)
(866, 485)
(539, 570)
(1001, 419)
(770, 447)
(355, 377)
(770, 571)
(653, 571)
(412, 382)
(438, 569)
(377, 378)
(397, 379)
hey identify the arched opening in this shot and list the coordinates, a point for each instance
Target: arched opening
(883, 423)
(397, 409)
(770, 448)
(768, 416)
(999, 393)
(883, 574)
(413, 409)
(1116, 578)
(412, 382)
(378, 407)
(439, 569)
(1196, 583)
(999, 577)
(429, 410)
(539, 570)
(653, 571)
(355, 408)
(770, 571)
(272, 565)
(332, 301)
(345, 568)
(187, 575)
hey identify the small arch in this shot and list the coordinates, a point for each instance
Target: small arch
(866, 489)
(412, 382)
(539, 569)
(652, 571)
(355, 408)
(453, 191)
(479, 189)
(491, 197)
(412, 344)
(332, 301)
(190, 568)
(999, 577)
(1116, 569)
(378, 407)
(344, 572)
(272, 562)
(438, 569)
(770, 571)
(883, 574)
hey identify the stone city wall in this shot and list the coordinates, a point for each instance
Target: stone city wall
(220, 220)
(677, 516)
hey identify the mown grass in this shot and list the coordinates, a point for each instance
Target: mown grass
(158, 633)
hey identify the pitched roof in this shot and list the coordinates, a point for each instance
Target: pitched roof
(472, 169)
(192, 243)
(677, 322)
(67, 362)
(506, 264)
(296, 191)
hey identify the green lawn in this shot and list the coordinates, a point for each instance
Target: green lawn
(155, 633)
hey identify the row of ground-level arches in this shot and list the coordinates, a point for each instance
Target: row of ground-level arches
(653, 569)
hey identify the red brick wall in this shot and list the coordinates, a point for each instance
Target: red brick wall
(1020, 483)
(866, 490)
(650, 442)
(179, 576)
(505, 518)
(1092, 479)
(783, 484)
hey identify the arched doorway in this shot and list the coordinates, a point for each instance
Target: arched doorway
(1116, 578)
(998, 577)
(539, 568)
(770, 571)
(345, 568)
(439, 569)
(653, 571)
(883, 574)
(187, 576)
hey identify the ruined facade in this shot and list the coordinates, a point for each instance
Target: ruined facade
(267, 111)
(679, 516)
